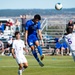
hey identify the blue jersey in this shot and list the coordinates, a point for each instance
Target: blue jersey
(32, 27)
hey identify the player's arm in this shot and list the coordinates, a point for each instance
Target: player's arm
(13, 53)
(26, 32)
(13, 50)
(26, 35)
(25, 49)
(40, 36)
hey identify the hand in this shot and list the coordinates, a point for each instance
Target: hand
(42, 43)
(20, 16)
(25, 49)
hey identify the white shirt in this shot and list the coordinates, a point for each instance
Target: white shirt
(70, 39)
(18, 46)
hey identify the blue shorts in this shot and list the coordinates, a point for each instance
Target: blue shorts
(64, 45)
(31, 40)
(58, 46)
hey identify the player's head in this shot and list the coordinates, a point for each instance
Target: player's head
(17, 35)
(37, 18)
(69, 30)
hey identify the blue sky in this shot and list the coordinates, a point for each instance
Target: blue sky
(35, 4)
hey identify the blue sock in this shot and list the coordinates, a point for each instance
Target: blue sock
(39, 50)
(35, 55)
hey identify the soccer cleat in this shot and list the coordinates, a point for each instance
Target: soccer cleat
(41, 64)
(42, 57)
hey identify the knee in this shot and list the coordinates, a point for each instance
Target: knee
(26, 66)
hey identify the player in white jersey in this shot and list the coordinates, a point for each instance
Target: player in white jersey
(17, 52)
(70, 40)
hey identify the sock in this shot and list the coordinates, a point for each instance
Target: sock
(19, 72)
(2, 53)
(57, 52)
(39, 50)
(62, 53)
(35, 55)
(67, 52)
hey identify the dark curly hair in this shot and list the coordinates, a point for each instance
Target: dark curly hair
(37, 16)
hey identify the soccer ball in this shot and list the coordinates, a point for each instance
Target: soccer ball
(58, 6)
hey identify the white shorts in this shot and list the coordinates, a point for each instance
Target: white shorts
(21, 59)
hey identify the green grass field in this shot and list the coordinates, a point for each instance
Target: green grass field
(54, 65)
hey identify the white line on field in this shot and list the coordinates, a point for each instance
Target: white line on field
(37, 66)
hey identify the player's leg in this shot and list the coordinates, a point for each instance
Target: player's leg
(25, 63)
(62, 50)
(67, 49)
(39, 50)
(34, 53)
(57, 51)
(73, 55)
(19, 62)
(31, 45)
(20, 69)
(36, 56)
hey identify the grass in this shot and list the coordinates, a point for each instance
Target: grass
(54, 65)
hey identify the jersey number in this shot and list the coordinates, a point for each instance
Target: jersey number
(69, 41)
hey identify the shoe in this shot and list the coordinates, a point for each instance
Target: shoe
(3, 54)
(41, 64)
(42, 57)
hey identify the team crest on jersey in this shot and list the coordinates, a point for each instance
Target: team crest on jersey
(30, 43)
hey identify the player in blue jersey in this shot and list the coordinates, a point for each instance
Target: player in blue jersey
(33, 29)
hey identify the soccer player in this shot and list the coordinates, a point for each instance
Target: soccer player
(70, 40)
(33, 29)
(17, 52)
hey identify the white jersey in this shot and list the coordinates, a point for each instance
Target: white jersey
(18, 46)
(70, 40)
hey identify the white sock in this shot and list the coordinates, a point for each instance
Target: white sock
(62, 53)
(57, 53)
(19, 72)
(2, 53)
